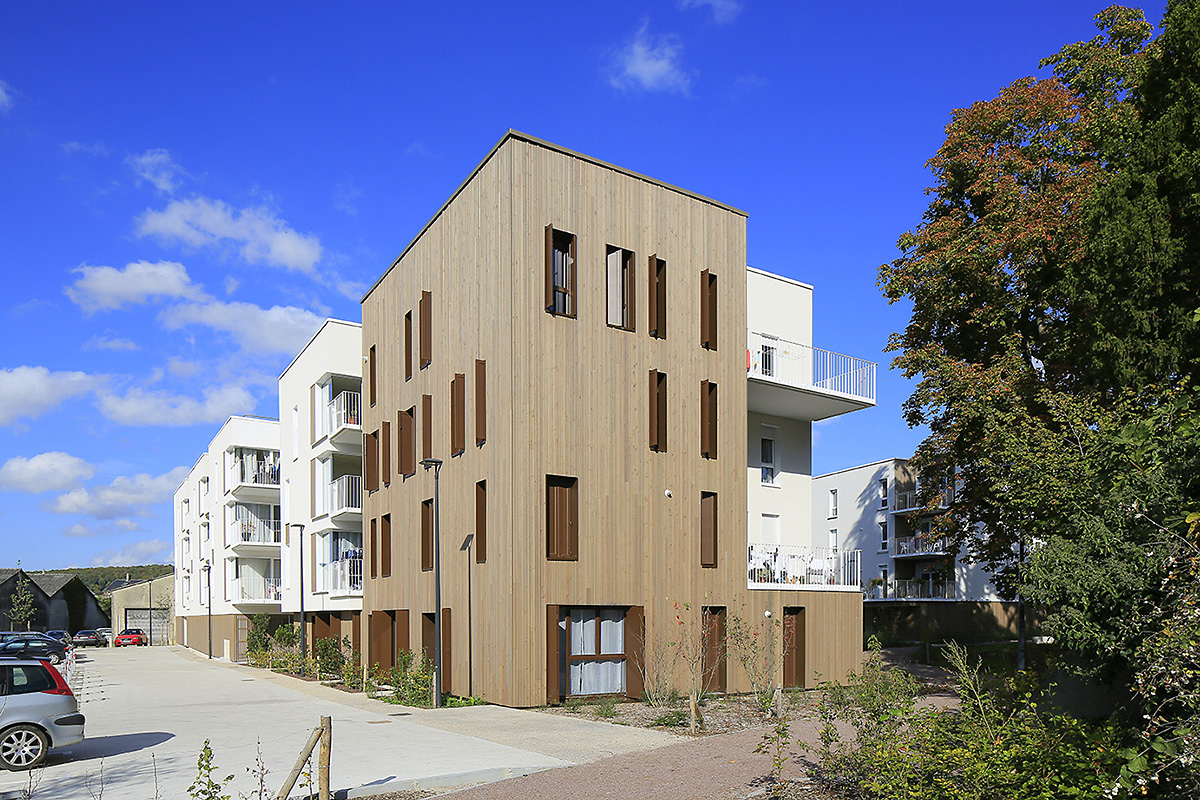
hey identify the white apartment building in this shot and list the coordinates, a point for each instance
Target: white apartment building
(230, 544)
(873, 508)
(791, 384)
(320, 405)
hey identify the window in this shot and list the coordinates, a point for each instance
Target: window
(295, 432)
(562, 518)
(883, 573)
(458, 414)
(408, 364)
(708, 419)
(406, 421)
(833, 539)
(371, 374)
(480, 402)
(883, 493)
(833, 503)
(658, 297)
(560, 272)
(883, 537)
(374, 549)
(385, 544)
(481, 522)
(596, 655)
(621, 294)
(371, 461)
(426, 426)
(425, 311)
(27, 678)
(770, 455)
(708, 529)
(708, 310)
(427, 534)
(770, 529)
(658, 411)
(385, 451)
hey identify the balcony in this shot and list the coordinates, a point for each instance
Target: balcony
(345, 498)
(920, 545)
(927, 588)
(781, 566)
(344, 577)
(255, 479)
(252, 535)
(788, 379)
(254, 589)
(344, 419)
(905, 501)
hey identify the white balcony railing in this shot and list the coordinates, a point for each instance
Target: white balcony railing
(251, 530)
(928, 588)
(258, 588)
(771, 566)
(345, 494)
(256, 471)
(904, 501)
(345, 411)
(920, 545)
(807, 367)
(345, 576)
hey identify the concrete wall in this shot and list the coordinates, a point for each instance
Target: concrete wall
(158, 596)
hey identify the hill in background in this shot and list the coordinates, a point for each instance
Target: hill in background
(96, 578)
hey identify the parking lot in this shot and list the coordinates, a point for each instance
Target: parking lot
(150, 709)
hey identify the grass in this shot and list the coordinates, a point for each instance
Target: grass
(671, 719)
(606, 708)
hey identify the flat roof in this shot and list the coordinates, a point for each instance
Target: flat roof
(860, 466)
(778, 277)
(328, 321)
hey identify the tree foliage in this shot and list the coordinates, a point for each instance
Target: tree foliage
(23, 608)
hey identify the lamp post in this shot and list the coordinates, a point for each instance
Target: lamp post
(206, 568)
(436, 465)
(300, 561)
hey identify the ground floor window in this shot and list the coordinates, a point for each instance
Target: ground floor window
(595, 659)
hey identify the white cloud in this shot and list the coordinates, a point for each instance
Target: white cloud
(344, 195)
(123, 498)
(157, 168)
(147, 551)
(140, 407)
(46, 472)
(109, 288)
(722, 10)
(110, 343)
(80, 531)
(264, 238)
(32, 391)
(650, 64)
(281, 329)
(93, 149)
(6, 100)
(231, 284)
(182, 367)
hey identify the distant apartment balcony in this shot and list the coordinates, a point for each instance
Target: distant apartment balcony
(345, 498)
(789, 379)
(920, 545)
(908, 501)
(344, 577)
(255, 480)
(257, 590)
(345, 419)
(781, 566)
(928, 588)
(250, 534)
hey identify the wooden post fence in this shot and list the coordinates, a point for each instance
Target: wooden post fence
(323, 733)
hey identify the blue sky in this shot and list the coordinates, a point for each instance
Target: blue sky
(185, 194)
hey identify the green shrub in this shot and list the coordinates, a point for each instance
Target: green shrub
(286, 635)
(411, 679)
(329, 657)
(258, 640)
(606, 708)
(671, 719)
(573, 704)
(352, 674)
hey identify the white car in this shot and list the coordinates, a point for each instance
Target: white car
(38, 712)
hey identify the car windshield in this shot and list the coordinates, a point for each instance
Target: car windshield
(86, 633)
(130, 632)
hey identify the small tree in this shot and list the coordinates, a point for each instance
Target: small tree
(691, 647)
(23, 609)
(759, 648)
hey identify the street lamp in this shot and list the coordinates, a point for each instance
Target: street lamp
(206, 568)
(436, 465)
(300, 561)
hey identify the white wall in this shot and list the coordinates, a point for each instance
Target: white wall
(790, 497)
(778, 306)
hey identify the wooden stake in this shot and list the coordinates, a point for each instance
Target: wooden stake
(323, 760)
(305, 754)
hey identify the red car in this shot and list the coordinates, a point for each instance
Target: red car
(132, 636)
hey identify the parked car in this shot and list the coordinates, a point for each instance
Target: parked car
(107, 633)
(86, 638)
(61, 636)
(38, 712)
(37, 636)
(132, 636)
(54, 652)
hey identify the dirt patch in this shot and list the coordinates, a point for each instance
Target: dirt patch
(727, 714)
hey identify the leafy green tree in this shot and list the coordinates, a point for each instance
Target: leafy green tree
(23, 608)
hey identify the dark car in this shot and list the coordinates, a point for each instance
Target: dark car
(89, 638)
(37, 712)
(132, 636)
(61, 636)
(54, 652)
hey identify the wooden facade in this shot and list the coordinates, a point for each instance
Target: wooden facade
(566, 397)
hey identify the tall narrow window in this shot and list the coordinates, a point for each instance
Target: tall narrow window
(458, 414)
(562, 518)
(427, 534)
(883, 537)
(708, 310)
(833, 539)
(833, 503)
(658, 411)
(480, 402)
(770, 455)
(708, 529)
(406, 421)
(385, 545)
(371, 374)
(371, 461)
(658, 297)
(426, 426)
(708, 419)
(883, 493)
(770, 529)
(481, 522)
(425, 310)
(408, 344)
(374, 549)
(619, 269)
(385, 452)
(560, 272)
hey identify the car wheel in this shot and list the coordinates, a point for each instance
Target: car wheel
(54, 658)
(23, 747)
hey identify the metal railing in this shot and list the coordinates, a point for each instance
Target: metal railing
(345, 411)
(928, 588)
(770, 566)
(808, 367)
(256, 471)
(903, 501)
(259, 587)
(345, 494)
(251, 529)
(919, 545)
(345, 575)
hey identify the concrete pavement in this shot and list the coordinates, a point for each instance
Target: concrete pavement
(150, 709)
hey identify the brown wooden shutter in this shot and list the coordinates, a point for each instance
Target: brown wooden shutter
(715, 662)
(458, 414)
(630, 292)
(371, 461)
(793, 647)
(427, 635)
(658, 411)
(426, 426)
(385, 545)
(552, 519)
(652, 295)
(550, 268)
(374, 554)
(708, 419)
(447, 653)
(708, 529)
(553, 656)
(572, 271)
(380, 634)
(408, 345)
(708, 310)
(401, 640)
(426, 321)
(573, 519)
(407, 440)
(480, 402)
(635, 651)
(481, 522)
(704, 308)
(371, 374)
(427, 534)
(385, 451)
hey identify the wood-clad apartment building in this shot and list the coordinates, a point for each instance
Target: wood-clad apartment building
(569, 338)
